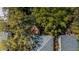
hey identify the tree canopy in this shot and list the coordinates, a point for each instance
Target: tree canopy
(49, 20)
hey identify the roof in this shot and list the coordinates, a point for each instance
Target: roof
(68, 43)
(46, 44)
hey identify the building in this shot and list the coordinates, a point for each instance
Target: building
(45, 43)
(68, 43)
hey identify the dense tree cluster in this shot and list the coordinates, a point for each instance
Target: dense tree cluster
(49, 21)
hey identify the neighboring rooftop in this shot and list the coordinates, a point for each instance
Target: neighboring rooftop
(68, 43)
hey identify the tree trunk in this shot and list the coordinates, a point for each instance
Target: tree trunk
(55, 43)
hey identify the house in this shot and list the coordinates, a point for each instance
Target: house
(45, 43)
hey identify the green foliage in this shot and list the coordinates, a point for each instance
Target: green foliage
(52, 20)
(18, 26)
(1, 26)
(75, 27)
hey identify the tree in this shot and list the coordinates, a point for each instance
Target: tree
(18, 25)
(53, 21)
(75, 25)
